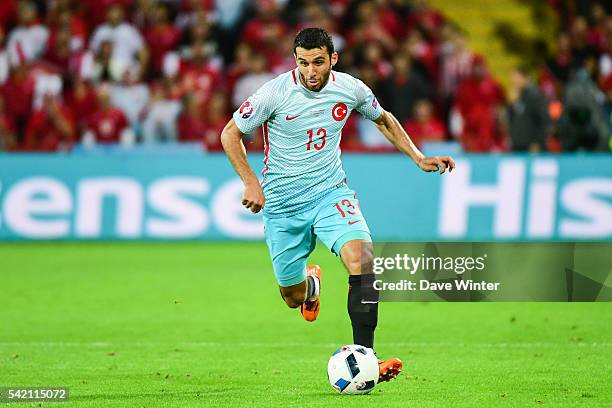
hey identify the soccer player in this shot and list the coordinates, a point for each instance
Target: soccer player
(304, 187)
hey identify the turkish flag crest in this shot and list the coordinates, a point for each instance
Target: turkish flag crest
(339, 111)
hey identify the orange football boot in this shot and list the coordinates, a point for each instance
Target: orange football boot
(389, 369)
(310, 308)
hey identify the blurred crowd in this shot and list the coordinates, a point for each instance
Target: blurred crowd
(127, 72)
(575, 81)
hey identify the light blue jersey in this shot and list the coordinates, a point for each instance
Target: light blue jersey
(302, 131)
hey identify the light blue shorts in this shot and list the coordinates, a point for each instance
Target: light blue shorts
(336, 220)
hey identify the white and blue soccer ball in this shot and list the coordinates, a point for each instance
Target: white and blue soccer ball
(353, 369)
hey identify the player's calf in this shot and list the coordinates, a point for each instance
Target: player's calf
(294, 295)
(362, 308)
(362, 302)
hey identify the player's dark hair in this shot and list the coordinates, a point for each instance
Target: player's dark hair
(314, 37)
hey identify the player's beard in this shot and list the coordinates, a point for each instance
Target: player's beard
(320, 85)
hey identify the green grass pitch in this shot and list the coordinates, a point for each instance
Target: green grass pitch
(202, 324)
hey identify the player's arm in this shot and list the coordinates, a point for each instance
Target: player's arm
(231, 139)
(395, 133)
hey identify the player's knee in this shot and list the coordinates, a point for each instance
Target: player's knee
(353, 265)
(358, 258)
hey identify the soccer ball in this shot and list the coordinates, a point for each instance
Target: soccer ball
(353, 369)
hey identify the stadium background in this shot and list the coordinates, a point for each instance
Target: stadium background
(110, 115)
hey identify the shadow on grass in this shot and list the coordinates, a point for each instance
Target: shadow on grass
(334, 395)
(157, 395)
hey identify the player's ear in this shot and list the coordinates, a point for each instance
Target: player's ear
(334, 58)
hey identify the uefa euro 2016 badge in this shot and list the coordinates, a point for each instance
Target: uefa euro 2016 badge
(246, 109)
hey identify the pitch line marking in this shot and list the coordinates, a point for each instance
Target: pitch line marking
(98, 344)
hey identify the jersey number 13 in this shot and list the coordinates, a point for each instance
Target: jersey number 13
(317, 146)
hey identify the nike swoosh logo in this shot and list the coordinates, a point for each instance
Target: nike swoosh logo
(292, 117)
(353, 222)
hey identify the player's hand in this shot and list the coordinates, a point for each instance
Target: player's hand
(253, 197)
(436, 163)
